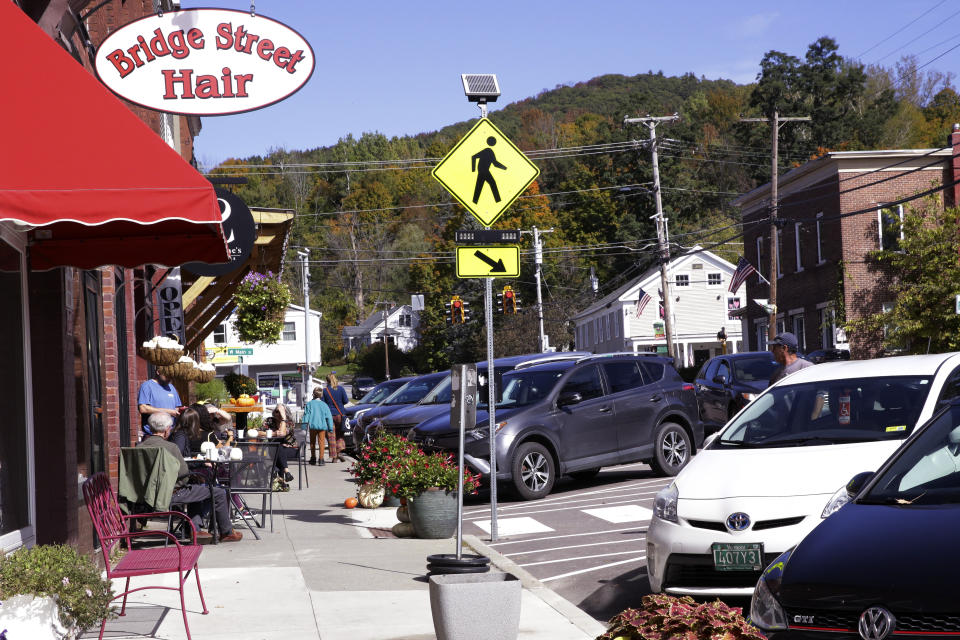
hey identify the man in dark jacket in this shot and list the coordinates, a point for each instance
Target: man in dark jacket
(183, 493)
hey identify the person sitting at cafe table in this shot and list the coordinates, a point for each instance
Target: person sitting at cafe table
(157, 395)
(187, 432)
(196, 496)
(283, 433)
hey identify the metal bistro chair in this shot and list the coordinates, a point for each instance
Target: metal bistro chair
(301, 434)
(253, 475)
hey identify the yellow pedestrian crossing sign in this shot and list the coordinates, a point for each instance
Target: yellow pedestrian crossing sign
(488, 262)
(485, 172)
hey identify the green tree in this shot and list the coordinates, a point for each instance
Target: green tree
(926, 273)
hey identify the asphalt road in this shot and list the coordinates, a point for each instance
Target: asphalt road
(586, 540)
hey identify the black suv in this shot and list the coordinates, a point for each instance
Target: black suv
(725, 384)
(576, 416)
(361, 386)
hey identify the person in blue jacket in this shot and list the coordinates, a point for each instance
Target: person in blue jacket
(336, 398)
(317, 416)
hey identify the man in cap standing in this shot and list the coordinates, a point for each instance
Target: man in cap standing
(784, 348)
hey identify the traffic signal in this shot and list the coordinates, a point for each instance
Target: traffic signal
(507, 301)
(457, 315)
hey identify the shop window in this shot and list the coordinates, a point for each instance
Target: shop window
(14, 448)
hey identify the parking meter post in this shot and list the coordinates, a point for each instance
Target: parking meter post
(491, 407)
(463, 415)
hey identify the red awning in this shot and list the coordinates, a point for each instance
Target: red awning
(100, 185)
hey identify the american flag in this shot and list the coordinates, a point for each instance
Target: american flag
(744, 269)
(642, 299)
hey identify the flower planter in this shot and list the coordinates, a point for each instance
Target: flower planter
(390, 500)
(482, 606)
(434, 513)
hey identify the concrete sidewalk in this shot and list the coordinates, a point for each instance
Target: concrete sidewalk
(323, 574)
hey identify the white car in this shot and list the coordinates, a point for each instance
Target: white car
(781, 464)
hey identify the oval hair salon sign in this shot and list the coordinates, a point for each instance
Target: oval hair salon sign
(204, 62)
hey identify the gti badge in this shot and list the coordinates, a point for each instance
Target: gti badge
(876, 623)
(738, 521)
(803, 620)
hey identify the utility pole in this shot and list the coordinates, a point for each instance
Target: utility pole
(775, 123)
(538, 261)
(307, 374)
(651, 123)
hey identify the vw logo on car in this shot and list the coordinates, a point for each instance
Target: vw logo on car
(876, 623)
(738, 521)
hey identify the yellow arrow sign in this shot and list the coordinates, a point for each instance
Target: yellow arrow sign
(488, 262)
(485, 172)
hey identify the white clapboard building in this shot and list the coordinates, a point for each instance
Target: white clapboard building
(700, 306)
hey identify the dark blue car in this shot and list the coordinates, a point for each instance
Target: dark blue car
(885, 563)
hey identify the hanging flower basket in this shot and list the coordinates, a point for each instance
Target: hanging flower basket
(262, 302)
(161, 351)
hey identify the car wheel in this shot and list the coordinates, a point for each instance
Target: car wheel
(671, 449)
(585, 474)
(533, 471)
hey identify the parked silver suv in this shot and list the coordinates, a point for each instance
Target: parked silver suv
(574, 417)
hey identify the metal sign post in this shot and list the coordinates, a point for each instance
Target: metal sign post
(491, 406)
(463, 415)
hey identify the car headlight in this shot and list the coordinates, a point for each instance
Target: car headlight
(479, 433)
(665, 504)
(765, 611)
(837, 500)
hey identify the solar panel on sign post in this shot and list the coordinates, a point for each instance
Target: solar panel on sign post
(478, 86)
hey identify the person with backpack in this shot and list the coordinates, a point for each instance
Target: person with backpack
(336, 398)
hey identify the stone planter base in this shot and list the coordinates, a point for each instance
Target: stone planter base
(434, 513)
(477, 606)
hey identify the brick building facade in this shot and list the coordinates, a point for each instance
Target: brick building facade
(834, 212)
(79, 327)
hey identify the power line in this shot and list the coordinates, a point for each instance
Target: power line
(900, 29)
(909, 42)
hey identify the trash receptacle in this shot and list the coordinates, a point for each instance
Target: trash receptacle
(475, 606)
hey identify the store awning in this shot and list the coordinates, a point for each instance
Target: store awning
(91, 181)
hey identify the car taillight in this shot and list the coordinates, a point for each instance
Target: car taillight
(687, 387)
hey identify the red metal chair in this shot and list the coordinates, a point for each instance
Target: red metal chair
(112, 529)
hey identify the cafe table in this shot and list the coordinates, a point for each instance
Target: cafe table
(241, 413)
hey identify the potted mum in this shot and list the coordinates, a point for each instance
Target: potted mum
(261, 301)
(31, 578)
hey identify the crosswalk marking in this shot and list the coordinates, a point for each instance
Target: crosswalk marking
(514, 526)
(566, 535)
(573, 508)
(605, 543)
(597, 568)
(625, 513)
(599, 555)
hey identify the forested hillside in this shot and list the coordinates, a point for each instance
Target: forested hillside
(380, 228)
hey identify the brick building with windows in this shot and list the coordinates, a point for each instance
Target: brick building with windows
(834, 212)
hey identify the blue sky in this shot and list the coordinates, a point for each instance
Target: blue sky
(394, 67)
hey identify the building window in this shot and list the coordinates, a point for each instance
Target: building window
(615, 320)
(289, 331)
(798, 331)
(220, 334)
(890, 220)
(683, 280)
(779, 252)
(887, 327)
(796, 238)
(406, 320)
(761, 264)
(762, 335)
(820, 238)
(714, 279)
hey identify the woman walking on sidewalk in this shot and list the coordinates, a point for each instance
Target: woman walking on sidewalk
(318, 418)
(336, 399)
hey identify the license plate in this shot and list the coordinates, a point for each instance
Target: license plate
(741, 556)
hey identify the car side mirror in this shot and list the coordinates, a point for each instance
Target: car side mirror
(720, 379)
(568, 398)
(857, 483)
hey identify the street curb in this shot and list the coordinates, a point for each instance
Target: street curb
(567, 609)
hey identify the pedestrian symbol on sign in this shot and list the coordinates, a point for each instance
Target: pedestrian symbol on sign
(482, 160)
(485, 172)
